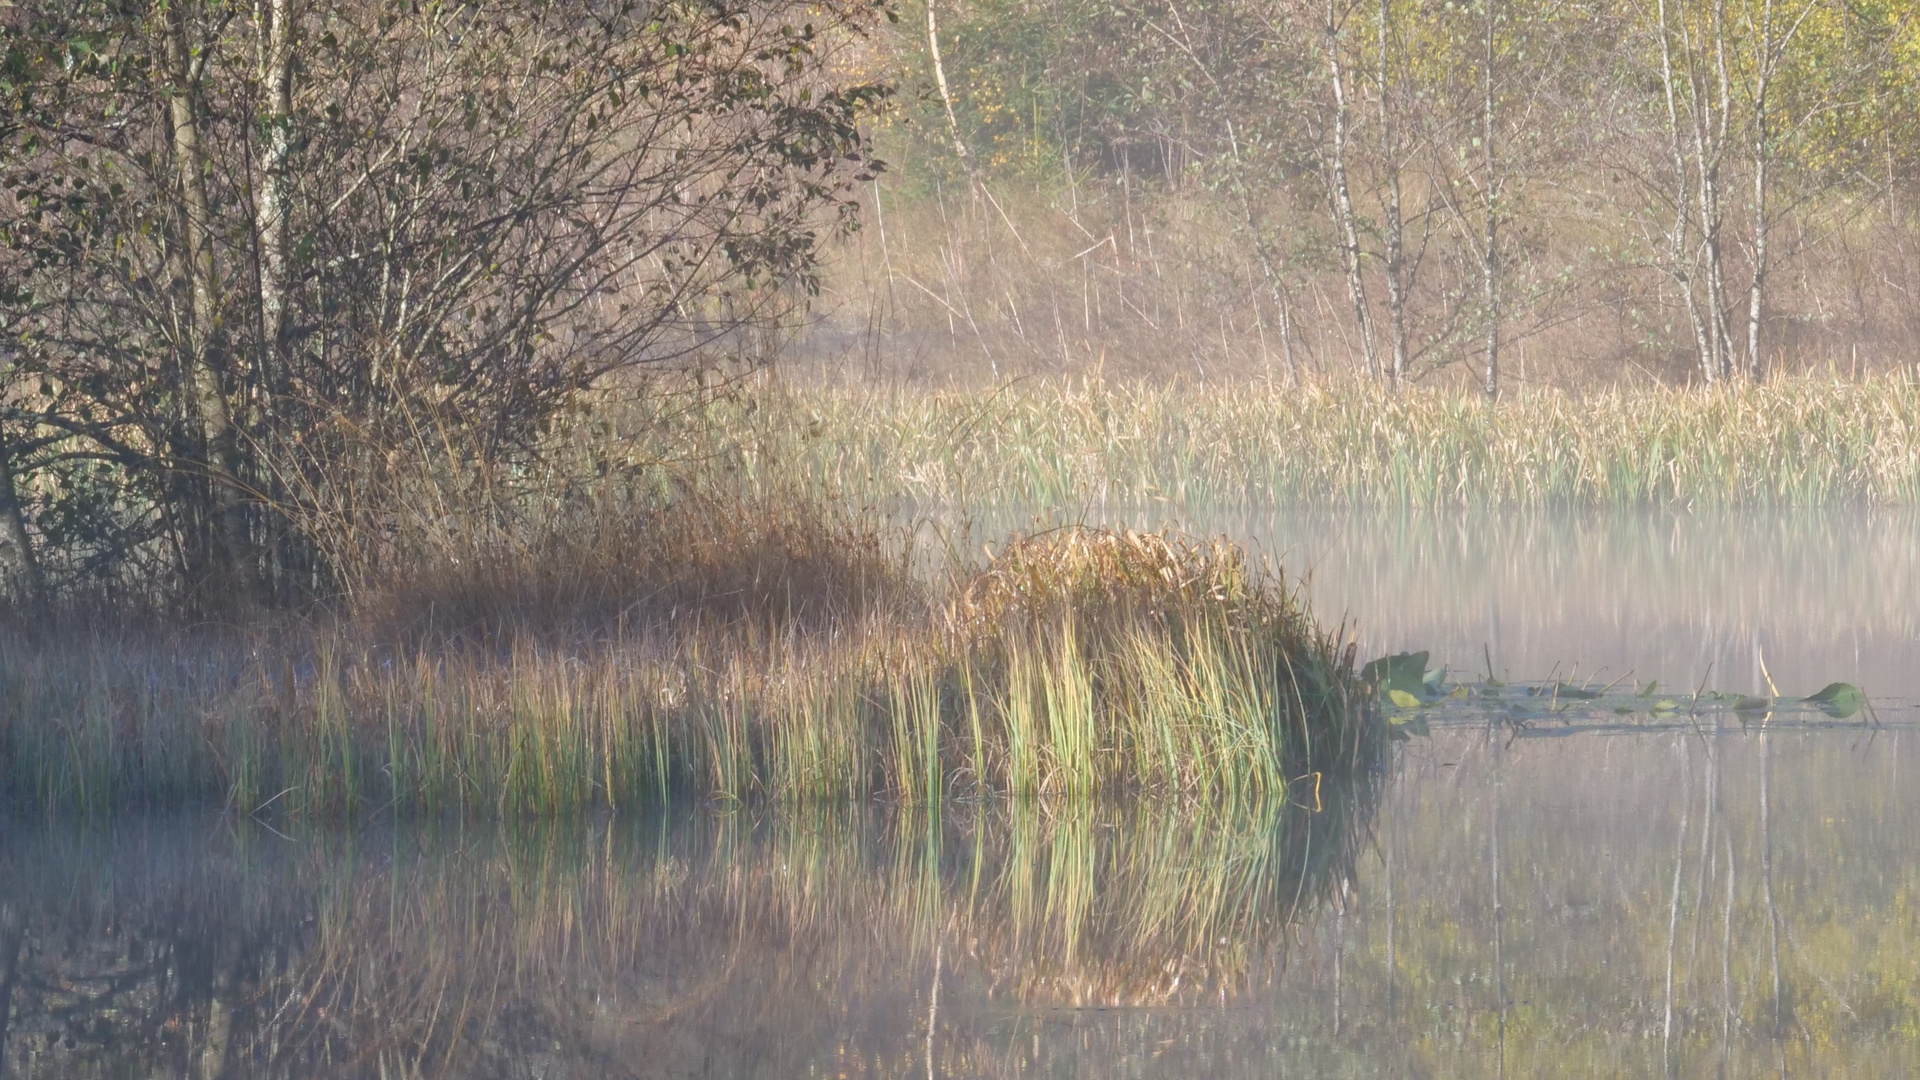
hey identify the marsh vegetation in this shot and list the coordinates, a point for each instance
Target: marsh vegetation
(1075, 663)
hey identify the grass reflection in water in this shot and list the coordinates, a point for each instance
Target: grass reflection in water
(705, 945)
(1713, 897)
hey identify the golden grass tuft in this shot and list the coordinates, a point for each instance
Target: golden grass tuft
(1103, 573)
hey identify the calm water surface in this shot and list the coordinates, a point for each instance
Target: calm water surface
(1719, 901)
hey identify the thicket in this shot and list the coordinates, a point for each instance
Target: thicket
(1483, 194)
(266, 267)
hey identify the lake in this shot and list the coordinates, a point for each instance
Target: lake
(1645, 883)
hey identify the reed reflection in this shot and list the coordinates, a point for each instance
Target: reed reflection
(1730, 897)
(716, 944)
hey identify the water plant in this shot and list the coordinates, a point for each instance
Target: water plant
(1074, 662)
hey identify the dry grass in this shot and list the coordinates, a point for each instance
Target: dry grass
(704, 557)
(1805, 440)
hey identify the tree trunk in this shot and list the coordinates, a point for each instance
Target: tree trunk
(17, 558)
(1710, 140)
(1756, 293)
(278, 30)
(277, 38)
(946, 96)
(1390, 159)
(205, 361)
(1677, 257)
(1490, 264)
(1343, 197)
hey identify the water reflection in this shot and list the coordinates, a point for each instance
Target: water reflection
(713, 945)
(1729, 901)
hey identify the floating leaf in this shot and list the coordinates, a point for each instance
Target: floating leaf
(1744, 703)
(1665, 705)
(1406, 672)
(1403, 699)
(1839, 700)
(1623, 710)
(1459, 691)
(1575, 693)
(1651, 687)
(1407, 725)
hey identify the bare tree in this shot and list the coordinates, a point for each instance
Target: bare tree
(248, 237)
(1768, 54)
(1390, 153)
(1697, 87)
(1679, 257)
(1490, 254)
(1340, 188)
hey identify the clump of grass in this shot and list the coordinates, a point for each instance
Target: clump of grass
(1793, 440)
(1167, 661)
(616, 565)
(1074, 663)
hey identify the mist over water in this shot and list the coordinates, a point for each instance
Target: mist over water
(1690, 599)
(1684, 598)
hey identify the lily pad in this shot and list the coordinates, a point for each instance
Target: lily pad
(1406, 672)
(1745, 703)
(1839, 700)
(1575, 693)
(1403, 699)
(1666, 705)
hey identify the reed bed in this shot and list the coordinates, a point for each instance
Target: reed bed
(1074, 663)
(1793, 440)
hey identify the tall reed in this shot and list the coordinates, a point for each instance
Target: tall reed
(1075, 662)
(1801, 440)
